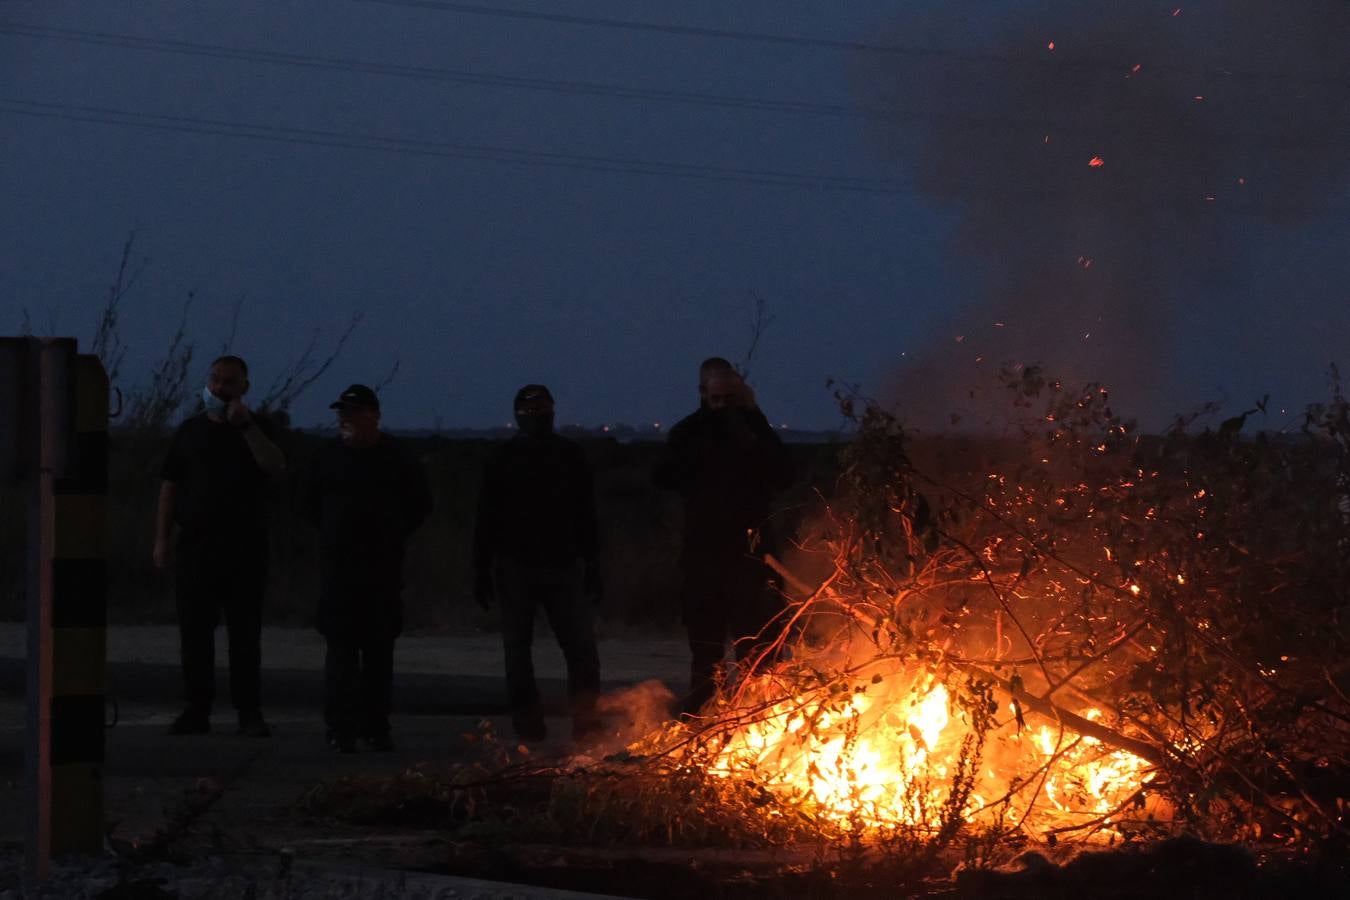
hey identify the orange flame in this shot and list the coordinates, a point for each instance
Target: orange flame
(884, 754)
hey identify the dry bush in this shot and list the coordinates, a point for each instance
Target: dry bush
(1135, 636)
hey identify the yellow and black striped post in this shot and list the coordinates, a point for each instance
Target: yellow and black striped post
(58, 402)
(79, 616)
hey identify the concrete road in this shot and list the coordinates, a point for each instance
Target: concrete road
(445, 687)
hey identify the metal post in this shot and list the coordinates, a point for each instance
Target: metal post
(40, 405)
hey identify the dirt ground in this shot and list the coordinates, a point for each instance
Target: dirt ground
(445, 687)
(234, 800)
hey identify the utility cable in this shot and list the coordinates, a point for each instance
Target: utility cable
(583, 162)
(1061, 60)
(354, 140)
(1037, 127)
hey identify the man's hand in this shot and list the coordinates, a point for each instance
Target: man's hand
(591, 582)
(237, 413)
(163, 553)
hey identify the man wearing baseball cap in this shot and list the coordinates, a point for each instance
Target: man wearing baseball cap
(536, 545)
(366, 495)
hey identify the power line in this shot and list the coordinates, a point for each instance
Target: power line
(357, 141)
(511, 156)
(458, 76)
(584, 88)
(1059, 60)
(661, 28)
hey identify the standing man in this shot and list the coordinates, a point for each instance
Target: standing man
(726, 462)
(366, 495)
(536, 544)
(214, 490)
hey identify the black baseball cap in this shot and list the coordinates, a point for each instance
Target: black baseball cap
(356, 395)
(533, 395)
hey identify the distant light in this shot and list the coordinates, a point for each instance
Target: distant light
(1096, 162)
(1050, 45)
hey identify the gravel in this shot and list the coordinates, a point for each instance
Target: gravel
(278, 877)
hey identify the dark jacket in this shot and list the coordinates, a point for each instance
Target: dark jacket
(221, 505)
(536, 504)
(727, 466)
(365, 503)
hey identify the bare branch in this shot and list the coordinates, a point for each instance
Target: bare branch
(760, 321)
(228, 345)
(107, 342)
(304, 371)
(388, 378)
(151, 407)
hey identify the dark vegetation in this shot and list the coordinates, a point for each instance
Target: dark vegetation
(640, 531)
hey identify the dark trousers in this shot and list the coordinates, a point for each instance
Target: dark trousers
(521, 588)
(203, 594)
(725, 599)
(358, 682)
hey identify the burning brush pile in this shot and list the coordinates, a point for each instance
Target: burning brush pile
(1105, 637)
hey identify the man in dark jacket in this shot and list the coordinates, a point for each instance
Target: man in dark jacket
(366, 495)
(536, 544)
(214, 496)
(726, 462)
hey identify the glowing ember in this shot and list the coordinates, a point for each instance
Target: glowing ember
(885, 753)
(1096, 162)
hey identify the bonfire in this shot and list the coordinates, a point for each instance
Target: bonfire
(1080, 635)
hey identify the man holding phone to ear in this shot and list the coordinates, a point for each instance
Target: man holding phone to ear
(214, 492)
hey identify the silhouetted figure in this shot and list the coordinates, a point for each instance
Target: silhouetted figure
(366, 494)
(536, 544)
(214, 490)
(726, 462)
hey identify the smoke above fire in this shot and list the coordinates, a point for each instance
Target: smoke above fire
(1110, 168)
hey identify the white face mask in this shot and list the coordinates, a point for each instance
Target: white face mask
(212, 402)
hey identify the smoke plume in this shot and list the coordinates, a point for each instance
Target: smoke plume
(1109, 165)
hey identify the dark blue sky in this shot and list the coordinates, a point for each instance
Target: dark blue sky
(479, 276)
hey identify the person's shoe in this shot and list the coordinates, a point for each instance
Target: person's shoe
(190, 722)
(381, 743)
(253, 726)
